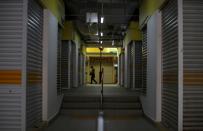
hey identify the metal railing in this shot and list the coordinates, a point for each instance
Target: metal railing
(102, 89)
(100, 120)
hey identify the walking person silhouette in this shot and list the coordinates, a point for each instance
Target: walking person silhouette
(92, 74)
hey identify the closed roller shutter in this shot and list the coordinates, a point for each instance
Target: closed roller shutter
(11, 39)
(131, 62)
(82, 69)
(69, 64)
(34, 64)
(193, 65)
(144, 60)
(120, 68)
(128, 66)
(59, 51)
(65, 60)
(138, 66)
(73, 64)
(170, 65)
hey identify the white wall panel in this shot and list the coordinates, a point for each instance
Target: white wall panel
(151, 101)
(51, 100)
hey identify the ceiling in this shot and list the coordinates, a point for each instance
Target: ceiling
(116, 13)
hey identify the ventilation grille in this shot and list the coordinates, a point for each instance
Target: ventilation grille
(193, 65)
(34, 64)
(170, 65)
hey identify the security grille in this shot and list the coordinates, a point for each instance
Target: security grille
(34, 64)
(170, 65)
(193, 65)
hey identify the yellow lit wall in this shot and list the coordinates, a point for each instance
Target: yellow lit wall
(69, 33)
(133, 33)
(106, 50)
(147, 8)
(56, 7)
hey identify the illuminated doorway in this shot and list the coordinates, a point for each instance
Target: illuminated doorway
(109, 61)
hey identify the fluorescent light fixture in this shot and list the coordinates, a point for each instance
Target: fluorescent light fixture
(102, 34)
(102, 19)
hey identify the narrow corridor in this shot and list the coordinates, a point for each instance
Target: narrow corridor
(148, 54)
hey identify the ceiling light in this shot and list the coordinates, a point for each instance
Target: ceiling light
(102, 19)
(102, 34)
(101, 42)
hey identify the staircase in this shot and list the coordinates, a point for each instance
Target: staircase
(117, 101)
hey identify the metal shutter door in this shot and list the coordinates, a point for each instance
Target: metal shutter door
(34, 64)
(80, 68)
(64, 65)
(71, 64)
(170, 65)
(59, 51)
(11, 44)
(131, 69)
(83, 69)
(120, 68)
(138, 65)
(144, 61)
(128, 66)
(123, 69)
(193, 65)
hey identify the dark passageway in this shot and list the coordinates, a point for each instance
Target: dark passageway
(147, 57)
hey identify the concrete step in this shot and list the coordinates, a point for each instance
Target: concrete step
(97, 99)
(96, 105)
(107, 113)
